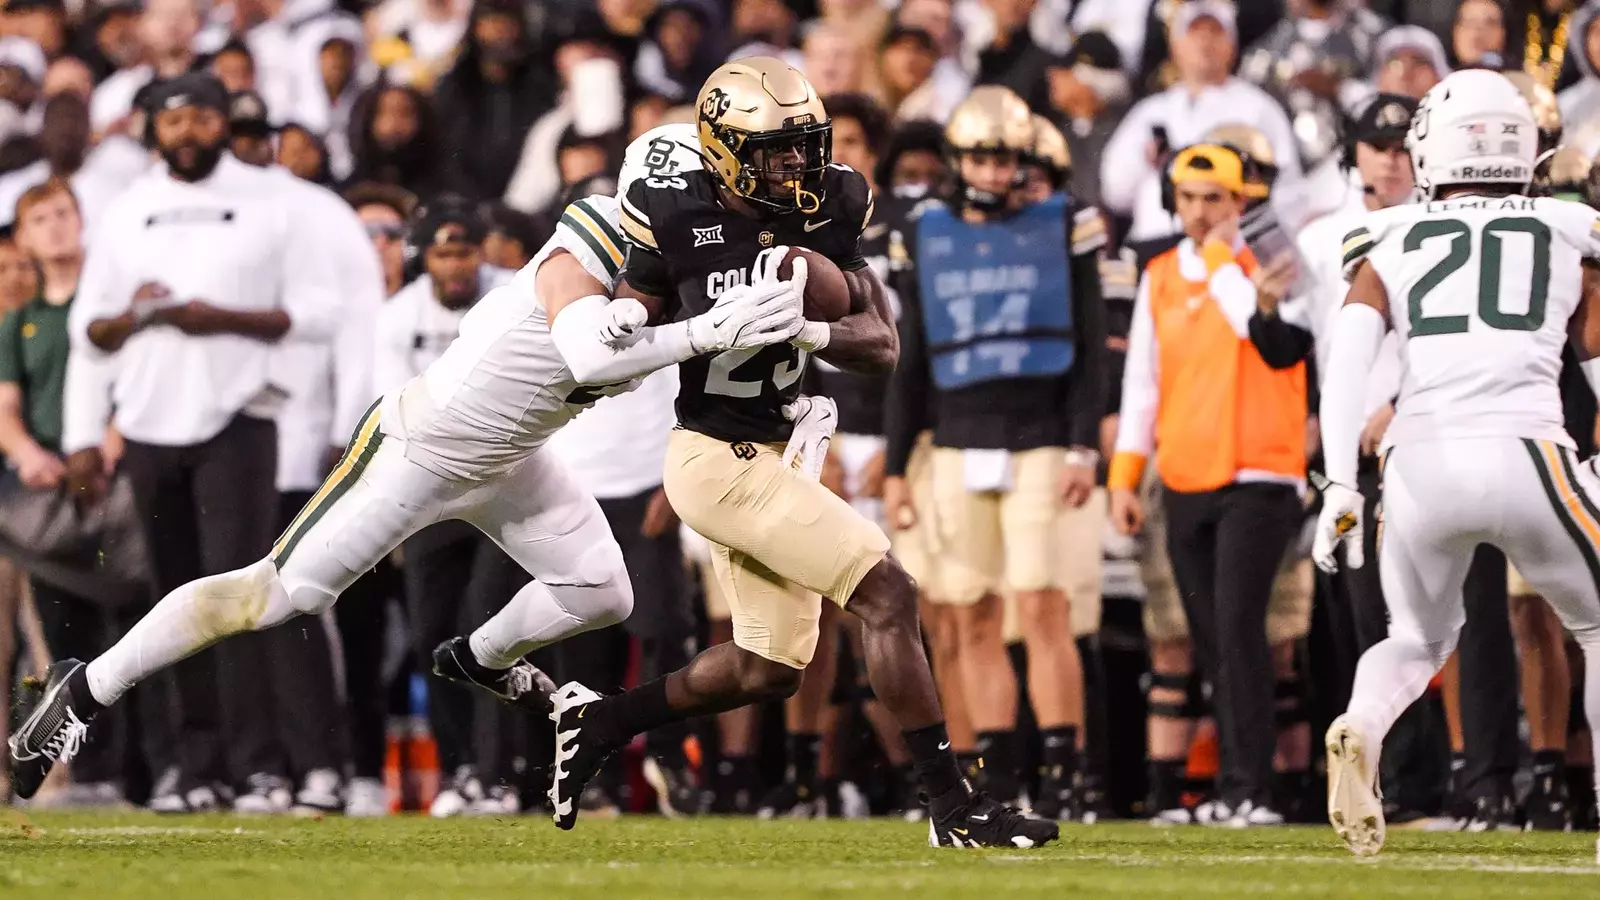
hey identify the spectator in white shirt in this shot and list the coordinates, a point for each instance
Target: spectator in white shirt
(200, 267)
(167, 30)
(1204, 44)
(329, 387)
(333, 71)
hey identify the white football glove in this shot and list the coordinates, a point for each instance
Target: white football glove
(747, 316)
(814, 420)
(1339, 523)
(623, 317)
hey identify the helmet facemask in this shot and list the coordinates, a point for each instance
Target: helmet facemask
(780, 170)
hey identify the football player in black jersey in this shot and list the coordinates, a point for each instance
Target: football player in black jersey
(1012, 363)
(779, 538)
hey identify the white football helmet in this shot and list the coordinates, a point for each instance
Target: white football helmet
(662, 152)
(1473, 127)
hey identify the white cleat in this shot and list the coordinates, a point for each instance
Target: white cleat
(1355, 807)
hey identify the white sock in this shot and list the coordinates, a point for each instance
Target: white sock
(539, 615)
(188, 620)
(1392, 674)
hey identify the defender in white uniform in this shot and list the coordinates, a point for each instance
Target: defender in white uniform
(460, 441)
(1483, 287)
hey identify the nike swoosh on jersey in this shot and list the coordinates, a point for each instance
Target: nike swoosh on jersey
(811, 226)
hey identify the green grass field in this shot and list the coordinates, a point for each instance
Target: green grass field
(226, 858)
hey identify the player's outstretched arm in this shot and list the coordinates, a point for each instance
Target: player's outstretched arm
(605, 341)
(864, 341)
(1358, 331)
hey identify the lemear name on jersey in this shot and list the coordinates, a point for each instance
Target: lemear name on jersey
(669, 224)
(1481, 290)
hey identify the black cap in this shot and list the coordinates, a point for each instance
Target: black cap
(247, 114)
(448, 219)
(1384, 121)
(898, 33)
(1094, 49)
(189, 89)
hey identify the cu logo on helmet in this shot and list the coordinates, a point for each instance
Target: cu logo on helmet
(716, 105)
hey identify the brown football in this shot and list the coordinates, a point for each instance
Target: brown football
(827, 293)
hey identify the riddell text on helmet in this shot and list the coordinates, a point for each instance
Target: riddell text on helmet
(1494, 172)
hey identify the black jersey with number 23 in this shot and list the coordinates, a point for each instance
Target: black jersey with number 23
(685, 247)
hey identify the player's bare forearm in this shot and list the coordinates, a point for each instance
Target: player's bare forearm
(1584, 328)
(864, 341)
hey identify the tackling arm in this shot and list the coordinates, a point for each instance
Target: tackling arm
(579, 309)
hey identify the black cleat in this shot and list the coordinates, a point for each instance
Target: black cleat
(1056, 800)
(1548, 809)
(578, 756)
(523, 685)
(791, 800)
(965, 819)
(49, 720)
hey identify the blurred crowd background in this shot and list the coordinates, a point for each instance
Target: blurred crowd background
(457, 131)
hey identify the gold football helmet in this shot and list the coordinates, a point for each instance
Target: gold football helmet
(992, 119)
(1260, 164)
(1546, 112)
(1051, 152)
(765, 134)
(1563, 172)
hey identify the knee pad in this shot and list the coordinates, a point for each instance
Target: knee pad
(1289, 708)
(1193, 705)
(306, 596)
(597, 563)
(597, 605)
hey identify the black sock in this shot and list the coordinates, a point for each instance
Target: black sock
(999, 764)
(1060, 750)
(1168, 778)
(803, 752)
(83, 702)
(1548, 762)
(618, 718)
(932, 760)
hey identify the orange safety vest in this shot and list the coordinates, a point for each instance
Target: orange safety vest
(1222, 408)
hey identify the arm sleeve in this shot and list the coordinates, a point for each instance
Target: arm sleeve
(1280, 344)
(353, 347)
(1087, 397)
(1123, 166)
(906, 407)
(1358, 331)
(309, 294)
(103, 291)
(576, 334)
(86, 398)
(1141, 401)
(1233, 290)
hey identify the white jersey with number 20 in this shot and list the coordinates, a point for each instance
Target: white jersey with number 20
(1480, 293)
